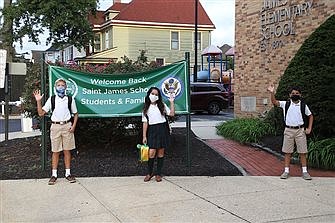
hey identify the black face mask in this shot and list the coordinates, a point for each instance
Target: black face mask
(295, 97)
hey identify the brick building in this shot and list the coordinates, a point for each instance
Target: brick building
(268, 35)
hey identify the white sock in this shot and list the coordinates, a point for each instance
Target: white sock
(304, 169)
(54, 172)
(287, 169)
(67, 172)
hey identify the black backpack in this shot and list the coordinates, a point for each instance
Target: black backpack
(69, 102)
(302, 110)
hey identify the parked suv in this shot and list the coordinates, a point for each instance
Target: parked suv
(208, 96)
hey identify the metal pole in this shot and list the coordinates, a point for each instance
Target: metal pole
(188, 116)
(7, 90)
(195, 70)
(44, 119)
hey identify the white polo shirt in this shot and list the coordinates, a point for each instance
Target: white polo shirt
(61, 112)
(154, 115)
(293, 116)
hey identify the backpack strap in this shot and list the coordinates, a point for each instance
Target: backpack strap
(69, 103)
(287, 105)
(53, 97)
(303, 114)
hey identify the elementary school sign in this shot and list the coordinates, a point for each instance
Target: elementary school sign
(277, 19)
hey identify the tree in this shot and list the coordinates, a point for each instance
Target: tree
(6, 34)
(313, 69)
(66, 21)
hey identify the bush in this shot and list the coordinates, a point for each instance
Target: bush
(313, 69)
(275, 118)
(321, 154)
(245, 130)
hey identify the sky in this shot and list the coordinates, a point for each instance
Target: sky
(221, 12)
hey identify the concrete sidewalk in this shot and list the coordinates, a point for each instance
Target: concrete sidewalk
(175, 199)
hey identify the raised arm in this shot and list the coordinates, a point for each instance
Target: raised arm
(38, 97)
(274, 101)
(172, 109)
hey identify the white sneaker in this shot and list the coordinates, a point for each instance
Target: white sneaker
(284, 175)
(306, 176)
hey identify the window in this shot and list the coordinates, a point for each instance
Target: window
(107, 40)
(71, 53)
(97, 46)
(174, 41)
(160, 62)
(198, 40)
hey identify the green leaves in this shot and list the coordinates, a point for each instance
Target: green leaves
(321, 153)
(245, 130)
(66, 21)
(313, 69)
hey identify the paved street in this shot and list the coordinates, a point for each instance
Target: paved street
(14, 125)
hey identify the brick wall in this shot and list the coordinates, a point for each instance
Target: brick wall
(262, 54)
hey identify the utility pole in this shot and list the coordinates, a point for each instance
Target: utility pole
(7, 44)
(7, 34)
(195, 69)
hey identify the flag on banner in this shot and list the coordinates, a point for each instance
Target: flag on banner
(105, 95)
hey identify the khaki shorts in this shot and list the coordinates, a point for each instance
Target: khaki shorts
(61, 138)
(294, 135)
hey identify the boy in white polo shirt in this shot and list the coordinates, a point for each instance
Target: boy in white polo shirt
(295, 131)
(62, 129)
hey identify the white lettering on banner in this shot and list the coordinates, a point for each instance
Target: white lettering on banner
(135, 81)
(97, 101)
(118, 82)
(134, 101)
(105, 91)
(116, 91)
(108, 82)
(91, 91)
(138, 90)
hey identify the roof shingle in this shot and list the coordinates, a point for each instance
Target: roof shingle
(164, 11)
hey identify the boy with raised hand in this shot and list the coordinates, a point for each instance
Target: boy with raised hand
(62, 129)
(295, 131)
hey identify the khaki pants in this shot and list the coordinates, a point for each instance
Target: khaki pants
(297, 136)
(61, 137)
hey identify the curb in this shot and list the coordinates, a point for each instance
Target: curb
(294, 160)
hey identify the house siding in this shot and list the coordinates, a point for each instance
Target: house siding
(156, 43)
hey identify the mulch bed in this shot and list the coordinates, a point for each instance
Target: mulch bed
(21, 159)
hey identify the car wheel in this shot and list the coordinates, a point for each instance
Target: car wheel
(214, 108)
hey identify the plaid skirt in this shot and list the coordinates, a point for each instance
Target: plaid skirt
(158, 136)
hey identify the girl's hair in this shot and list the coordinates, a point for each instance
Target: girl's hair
(159, 102)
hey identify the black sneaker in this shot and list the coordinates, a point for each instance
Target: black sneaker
(71, 179)
(52, 180)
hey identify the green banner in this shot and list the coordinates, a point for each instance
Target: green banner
(106, 95)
